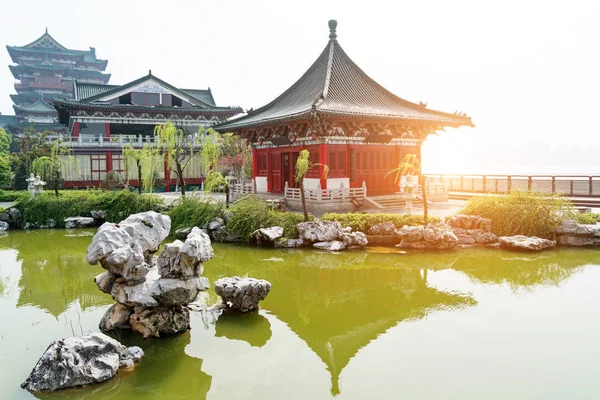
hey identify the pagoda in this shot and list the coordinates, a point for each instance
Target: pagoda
(45, 70)
(345, 120)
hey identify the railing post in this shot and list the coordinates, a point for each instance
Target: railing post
(80, 140)
(101, 141)
(121, 141)
(254, 186)
(484, 184)
(529, 183)
(342, 191)
(364, 185)
(285, 189)
(553, 184)
(319, 192)
(508, 184)
(496, 185)
(571, 189)
(591, 191)
(140, 140)
(462, 183)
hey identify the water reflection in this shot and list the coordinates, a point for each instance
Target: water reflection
(251, 327)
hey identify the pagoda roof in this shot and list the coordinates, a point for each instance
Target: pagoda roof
(334, 85)
(74, 104)
(39, 106)
(87, 92)
(6, 120)
(46, 44)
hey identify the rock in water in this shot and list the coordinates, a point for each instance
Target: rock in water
(78, 361)
(521, 242)
(160, 321)
(105, 281)
(289, 243)
(117, 316)
(354, 239)
(79, 222)
(184, 260)
(319, 231)
(3, 226)
(383, 228)
(267, 235)
(242, 294)
(334, 245)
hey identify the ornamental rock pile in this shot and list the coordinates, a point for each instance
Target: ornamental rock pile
(242, 294)
(329, 235)
(79, 361)
(151, 292)
(431, 237)
(573, 234)
(472, 229)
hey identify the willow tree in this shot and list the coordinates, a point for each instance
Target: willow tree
(177, 148)
(50, 167)
(411, 165)
(5, 172)
(303, 165)
(145, 160)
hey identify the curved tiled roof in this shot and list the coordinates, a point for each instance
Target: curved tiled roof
(39, 106)
(85, 90)
(335, 85)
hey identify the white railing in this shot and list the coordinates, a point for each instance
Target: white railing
(113, 141)
(243, 188)
(340, 194)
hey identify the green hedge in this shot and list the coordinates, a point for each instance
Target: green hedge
(362, 222)
(12, 195)
(587, 218)
(73, 203)
(250, 214)
(188, 212)
(522, 213)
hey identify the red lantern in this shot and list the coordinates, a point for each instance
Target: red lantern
(260, 142)
(313, 136)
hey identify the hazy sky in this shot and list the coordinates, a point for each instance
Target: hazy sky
(526, 71)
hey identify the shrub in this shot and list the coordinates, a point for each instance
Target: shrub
(522, 213)
(118, 205)
(362, 222)
(188, 212)
(12, 195)
(250, 214)
(587, 218)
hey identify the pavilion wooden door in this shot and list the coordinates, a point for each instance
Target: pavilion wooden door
(276, 175)
(371, 165)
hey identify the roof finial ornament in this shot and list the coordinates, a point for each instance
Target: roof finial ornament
(46, 29)
(149, 72)
(332, 26)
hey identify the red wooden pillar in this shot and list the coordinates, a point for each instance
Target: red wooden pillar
(109, 163)
(76, 130)
(269, 171)
(322, 161)
(167, 172)
(107, 130)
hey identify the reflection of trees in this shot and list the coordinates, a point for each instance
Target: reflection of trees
(165, 372)
(54, 269)
(337, 303)
(250, 327)
(516, 269)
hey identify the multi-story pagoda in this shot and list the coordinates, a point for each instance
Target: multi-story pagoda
(45, 69)
(102, 119)
(345, 120)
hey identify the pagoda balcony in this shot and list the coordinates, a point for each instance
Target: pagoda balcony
(34, 85)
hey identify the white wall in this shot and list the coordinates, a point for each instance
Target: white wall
(311, 183)
(334, 183)
(261, 184)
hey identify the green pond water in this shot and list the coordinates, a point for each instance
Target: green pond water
(374, 324)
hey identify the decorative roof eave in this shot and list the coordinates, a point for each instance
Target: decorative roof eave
(38, 107)
(449, 120)
(76, 105)
(230, 126)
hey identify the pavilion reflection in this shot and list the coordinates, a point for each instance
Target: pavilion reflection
(339, 303)
(54, 270)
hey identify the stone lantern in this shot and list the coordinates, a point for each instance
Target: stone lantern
(38, 185)
(30, 185)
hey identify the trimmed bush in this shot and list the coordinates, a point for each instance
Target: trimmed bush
(73, 203)
(587, 218)
(189, 212)
(362, 222)
(522, 213)
(12, 195)
(250, 214)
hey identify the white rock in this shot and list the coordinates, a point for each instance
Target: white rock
(354, 239)
(267, 235)
(319, 231)
(242, 294)
(526, 242)
(79, 222)
(334, 245)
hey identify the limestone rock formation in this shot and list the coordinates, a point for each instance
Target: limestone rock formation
(242, 294)
(573, 234)
(354, 239)
(521, 242)
(267, 236)
(334, 245)
(472, 229)
(383, 229)
(150, 291)
(319, 231)
(3, 226)
(78, 361)
(289, 243)
(99, 214)
(431, 237)
(79, 222)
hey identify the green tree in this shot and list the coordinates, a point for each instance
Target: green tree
(178, 149)
(31, 145)
(50, 167)
(145, 160)
(5, 171)
(411, 165)
(303, 165)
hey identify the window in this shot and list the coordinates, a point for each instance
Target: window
(98, 170)
(167, 100)
(147, 99)
(262, 164)
(314, 171)
(336, 160)
(117, 163)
